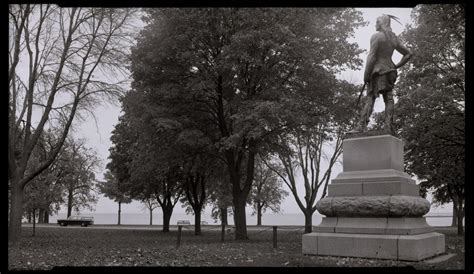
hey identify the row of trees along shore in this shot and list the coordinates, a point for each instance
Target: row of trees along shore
(219, 92)
(224, 103)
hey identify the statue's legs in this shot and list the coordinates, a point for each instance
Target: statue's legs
(366, 112)
(389, 107)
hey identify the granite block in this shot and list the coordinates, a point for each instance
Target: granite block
(357, 245)
(421, 246)
(393, 247)
(372, 153)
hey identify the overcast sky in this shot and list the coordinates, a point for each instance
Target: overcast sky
(98, 135)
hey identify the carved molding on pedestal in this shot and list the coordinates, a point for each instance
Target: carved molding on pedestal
(373, 206)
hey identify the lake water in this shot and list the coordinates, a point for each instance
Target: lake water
(267, 219)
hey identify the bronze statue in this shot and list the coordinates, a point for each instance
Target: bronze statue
(380, 71)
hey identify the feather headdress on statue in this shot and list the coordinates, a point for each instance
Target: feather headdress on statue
(384, 23)
(393, 17)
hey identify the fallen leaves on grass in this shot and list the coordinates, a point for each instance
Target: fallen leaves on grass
(107, 247)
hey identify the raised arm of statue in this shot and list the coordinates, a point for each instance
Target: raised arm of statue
(407, 55)
(371, 58)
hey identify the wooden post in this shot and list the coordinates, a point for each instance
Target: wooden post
(179, 236)
(34, 221)
(222, 233)
(275, 237)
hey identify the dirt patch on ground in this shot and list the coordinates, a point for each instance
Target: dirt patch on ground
(105, 246)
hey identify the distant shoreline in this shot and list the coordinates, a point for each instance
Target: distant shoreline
(175, 227)
(268, 219)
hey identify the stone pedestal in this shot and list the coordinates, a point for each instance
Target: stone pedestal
(373, 208)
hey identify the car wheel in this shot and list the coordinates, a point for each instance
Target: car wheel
(84, 224)
(62, 224)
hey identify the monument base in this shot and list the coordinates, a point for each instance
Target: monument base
(377, 246)
(373, 208)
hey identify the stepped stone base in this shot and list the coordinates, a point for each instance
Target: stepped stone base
(373, 208)
(384, 226)
(376, 246)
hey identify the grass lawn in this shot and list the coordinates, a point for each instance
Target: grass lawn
(106, 246)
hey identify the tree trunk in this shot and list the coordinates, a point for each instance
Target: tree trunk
(151, 216)
(34, 222)
(29, 217)
(69, 204)
(41, 216)
(223, 211)
(259, 215)
(460, 216)
(119, 212)
(16, 211)
(455, 216)
(240, 220)
(167, 212)
(240, 194)
(308, 221)
(46, 217)
(197, 221)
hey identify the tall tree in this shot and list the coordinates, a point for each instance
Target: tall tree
(150, 204)
(430, 111)
(165, 188)
(228, 73)
(120, 153)
(144, 172)
(200, 173)
(267, 192)
(194, 186)
(80, 183)
(110, 187)
(312, 147)
(221, 199)
(60, 62)
(45, 196)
